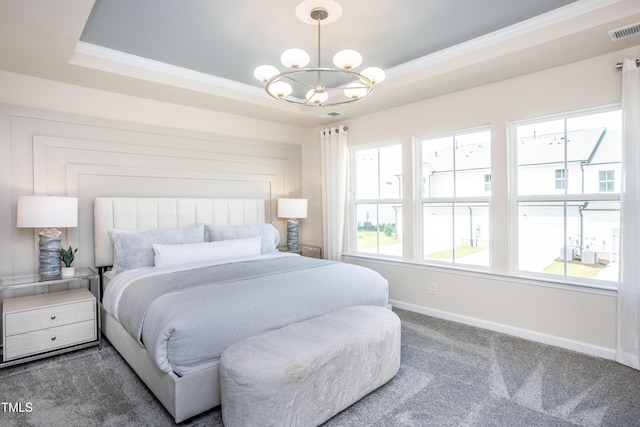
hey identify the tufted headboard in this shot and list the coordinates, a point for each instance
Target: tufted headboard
(139, 214)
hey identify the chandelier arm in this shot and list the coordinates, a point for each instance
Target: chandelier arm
(289, 77)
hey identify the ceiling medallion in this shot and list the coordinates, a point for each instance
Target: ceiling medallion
(319, 86)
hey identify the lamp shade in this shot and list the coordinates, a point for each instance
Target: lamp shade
(294, 58)
(265, 72)
(47, 212)
(292, 208)
(317, 96)
(375, 74)
(280, 89)
(347, 59)
(356, 90)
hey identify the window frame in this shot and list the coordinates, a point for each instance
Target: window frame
(514, 199)
(420, 200)
(609, 182)
(354, 201)
(561, 181)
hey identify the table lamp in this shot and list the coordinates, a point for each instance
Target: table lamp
(48, 212)
(292, 210)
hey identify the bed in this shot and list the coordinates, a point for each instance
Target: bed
(190, 276)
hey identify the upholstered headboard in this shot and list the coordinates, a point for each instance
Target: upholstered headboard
(138, 214)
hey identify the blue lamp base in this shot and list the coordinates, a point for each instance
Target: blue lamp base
(49, 253)
(292, 234)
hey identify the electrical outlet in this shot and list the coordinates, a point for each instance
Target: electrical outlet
(433, 288)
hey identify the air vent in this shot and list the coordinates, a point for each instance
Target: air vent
(332, 114)
(624, 32)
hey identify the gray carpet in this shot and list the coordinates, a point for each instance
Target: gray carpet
(451, 375)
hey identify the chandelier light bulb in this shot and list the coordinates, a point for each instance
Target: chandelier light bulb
(347, 59)
(280, 89)
(317, 95)
(355, 90)
(265, 72)
(294, 58)
(375, 74)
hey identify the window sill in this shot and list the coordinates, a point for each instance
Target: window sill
(595, 288)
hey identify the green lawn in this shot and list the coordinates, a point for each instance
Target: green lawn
(368, 240)
(573, 269)
(461, 251)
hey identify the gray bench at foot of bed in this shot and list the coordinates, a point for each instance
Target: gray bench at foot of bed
(305, 373)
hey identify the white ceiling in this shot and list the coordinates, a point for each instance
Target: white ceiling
(202, 52)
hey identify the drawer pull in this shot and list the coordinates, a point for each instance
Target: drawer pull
(53, 338)
(53, 317)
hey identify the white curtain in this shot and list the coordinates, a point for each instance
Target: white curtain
(334, 154)
(628, 339)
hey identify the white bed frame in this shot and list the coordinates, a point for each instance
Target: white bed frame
(188, 395)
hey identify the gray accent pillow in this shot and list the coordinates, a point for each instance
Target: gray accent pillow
(133, 249)
(270, 235)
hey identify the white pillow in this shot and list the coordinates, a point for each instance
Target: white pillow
(133, 249)
(270, 235)
(168, 255)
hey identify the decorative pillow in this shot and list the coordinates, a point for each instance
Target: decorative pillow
(270, 235)
(133, 249)
(167, 255)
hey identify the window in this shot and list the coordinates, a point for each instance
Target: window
(553, 193)
(378, 200)
(561, 179)
(455, 172)
(568, 227)
(487, 182)
(606, 181)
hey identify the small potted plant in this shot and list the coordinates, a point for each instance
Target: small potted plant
(67, 256)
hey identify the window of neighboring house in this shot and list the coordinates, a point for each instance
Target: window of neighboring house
(487, 182)
(573, 232)
(560, 179)
(455, 172)
(606, 179)
(378, 200)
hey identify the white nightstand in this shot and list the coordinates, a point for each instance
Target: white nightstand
(43, 325)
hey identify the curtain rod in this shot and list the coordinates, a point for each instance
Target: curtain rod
(619, 64)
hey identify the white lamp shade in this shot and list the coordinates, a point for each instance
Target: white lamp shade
(294, 58)
(355, 90)
(47, 212)
(292, 208)
(265, 72)
(375, 74)
(280, 89)
(347, 59)
(317, 96)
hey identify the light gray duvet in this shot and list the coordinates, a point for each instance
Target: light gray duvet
(186, 319)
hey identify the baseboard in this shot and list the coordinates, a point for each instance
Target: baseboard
(581, 347)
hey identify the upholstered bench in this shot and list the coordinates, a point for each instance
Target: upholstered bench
(305, 373)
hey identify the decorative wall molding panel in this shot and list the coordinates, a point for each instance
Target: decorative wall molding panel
(54, 154)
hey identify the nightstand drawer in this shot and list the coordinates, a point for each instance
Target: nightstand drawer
(49, 339)
(48, 317)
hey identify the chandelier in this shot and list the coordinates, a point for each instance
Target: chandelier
(319, 86)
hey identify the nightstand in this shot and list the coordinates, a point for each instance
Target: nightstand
(38, 326)
(305, 250)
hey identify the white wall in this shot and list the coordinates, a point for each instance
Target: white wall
(579, 319)
(60, 139)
